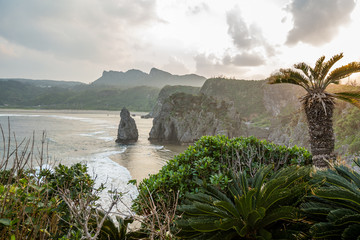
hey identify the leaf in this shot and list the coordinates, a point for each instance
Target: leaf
(351, 232)
(343, 72)
(281, 213)
(350, 97)
(265, 234)
(5, 221)
(340, 196)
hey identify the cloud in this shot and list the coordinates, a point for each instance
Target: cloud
(239, 30)
(194, 10)
(212, 66)
(317, 22)
(247, 59)
(175, 66)
(246, 37)
(83, 29)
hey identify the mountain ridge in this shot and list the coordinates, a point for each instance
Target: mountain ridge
(155, 78)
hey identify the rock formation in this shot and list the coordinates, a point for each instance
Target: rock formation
(127, 131)
(165, 92)
(184, 118)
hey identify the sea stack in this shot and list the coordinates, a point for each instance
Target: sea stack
(127, 131)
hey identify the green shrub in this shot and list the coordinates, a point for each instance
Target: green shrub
(27, 211)
(334, 208)
(210, 159)
(347, 130)
(31, 204)
(253, 208)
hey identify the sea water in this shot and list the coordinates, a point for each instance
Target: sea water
(89, 137)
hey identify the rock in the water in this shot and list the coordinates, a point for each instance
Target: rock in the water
(127, 131)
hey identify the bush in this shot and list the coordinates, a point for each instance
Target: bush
(210, 159)
(254, 208)
(31, 205)
(334, 207)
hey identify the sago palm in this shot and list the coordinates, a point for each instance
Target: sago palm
(253, 208)
(335, 204)
(318, 103)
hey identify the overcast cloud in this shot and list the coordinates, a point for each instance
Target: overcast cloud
(318, 21)
(78, 39)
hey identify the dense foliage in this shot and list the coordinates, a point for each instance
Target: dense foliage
(239, 92)
(211, 159)
(347, 129)
(252, 209)
(33, 206)
(334, 207)
(14, 94)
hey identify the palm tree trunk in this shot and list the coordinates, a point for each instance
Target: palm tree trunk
(319, 113)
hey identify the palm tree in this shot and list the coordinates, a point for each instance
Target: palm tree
(318, 103)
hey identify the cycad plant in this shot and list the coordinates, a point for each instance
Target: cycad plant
(110, 229)
(318, 103)
(335, 204)
(251, 210)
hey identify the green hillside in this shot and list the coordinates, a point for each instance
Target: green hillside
(14, 94)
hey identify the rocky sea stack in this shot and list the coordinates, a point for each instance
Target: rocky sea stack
(127, 131)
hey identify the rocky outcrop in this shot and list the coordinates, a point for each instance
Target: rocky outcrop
(253, 108)
(278, 98)
(127, 131)
(165, 92)
(184, 118)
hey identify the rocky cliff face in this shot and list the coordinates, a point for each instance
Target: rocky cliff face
(166, 92)
(254, 108)
(127, 131)
(184, 118)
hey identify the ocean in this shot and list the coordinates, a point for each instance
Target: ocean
(73, 136)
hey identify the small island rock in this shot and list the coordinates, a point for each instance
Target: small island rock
(127, 131)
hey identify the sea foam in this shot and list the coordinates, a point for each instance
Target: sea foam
(113, 176)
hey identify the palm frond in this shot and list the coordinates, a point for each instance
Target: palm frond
(316, 73)
(290, 76)
(329, 64)
(305, 68)
(342, 72)
(350, 97)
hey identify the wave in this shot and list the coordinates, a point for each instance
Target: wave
(88, 120)
(17, 115)
(107, 139)
(91, 134)
(113, 176)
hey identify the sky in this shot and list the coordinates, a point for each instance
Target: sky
(76, 40)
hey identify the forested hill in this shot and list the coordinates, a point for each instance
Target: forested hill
(25, 94)
(134, 89)
(43, 83)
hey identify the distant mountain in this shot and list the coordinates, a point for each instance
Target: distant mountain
(43, 83)
(156, 78)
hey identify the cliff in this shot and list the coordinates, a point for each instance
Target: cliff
(184, 118)
(166, 92)
(255, 108)
(268, 111)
